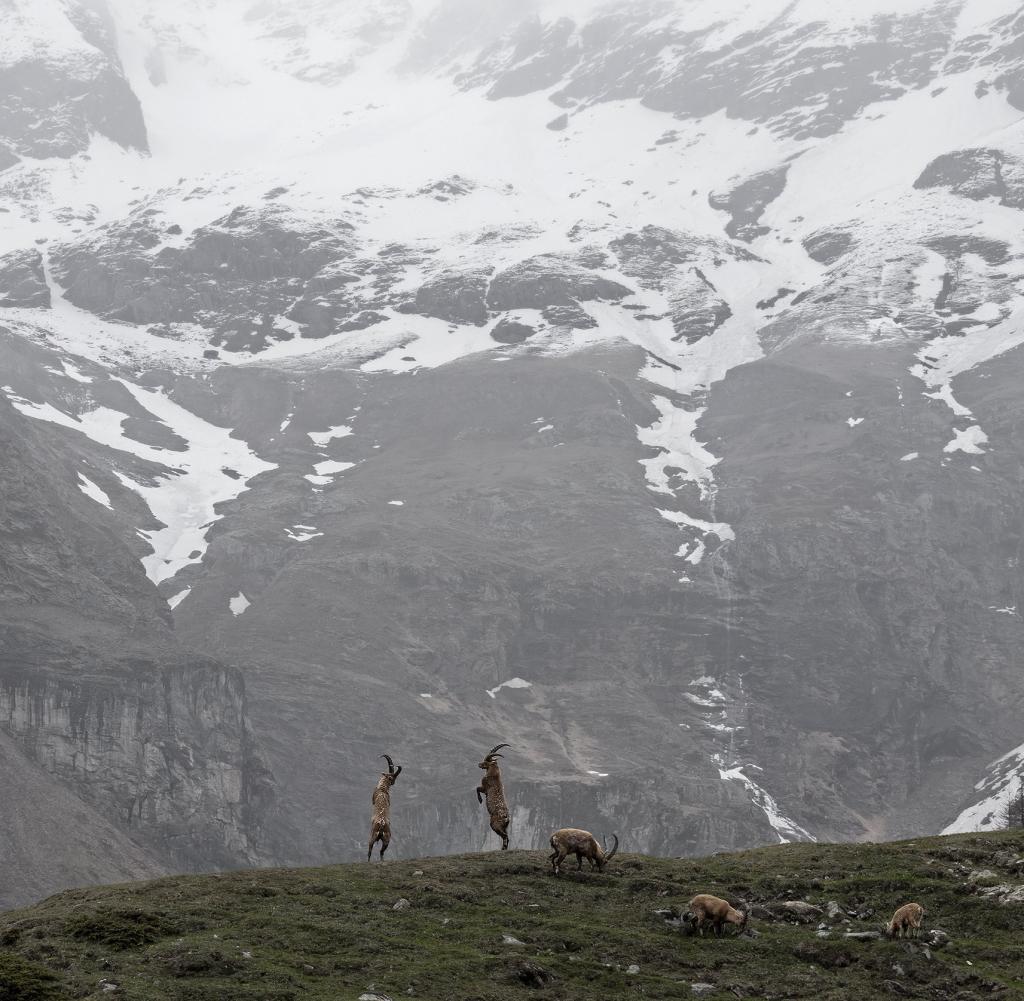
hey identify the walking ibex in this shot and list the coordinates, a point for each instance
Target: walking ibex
(380, 818)
(572, 840)
(491, 788)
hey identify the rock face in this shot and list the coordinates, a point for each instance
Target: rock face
(22, 281)
(978, 174)
(667, 435)
(93, 691)
(53, 840)
(62, 81)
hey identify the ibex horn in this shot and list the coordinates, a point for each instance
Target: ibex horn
(610, 855)
(391, 765)
(497, 747)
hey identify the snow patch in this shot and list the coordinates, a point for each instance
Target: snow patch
(997, 787)
(786, 830)
(94, 492)
(511, 683)
(322, 438)
(302, 533)
(176, 600)
(238, 604)
(969, 440)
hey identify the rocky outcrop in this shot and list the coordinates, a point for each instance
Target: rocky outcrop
(746, 202)
(56, 93)
(22, 280)
(237, 276)
(978, 174)
(52, 839)
(803, 80)
(454, 297)
(548, 281)
(161, 751)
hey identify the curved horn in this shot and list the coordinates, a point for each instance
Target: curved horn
(610, 855)
(497, 747)
(396, 773)
(391, 764)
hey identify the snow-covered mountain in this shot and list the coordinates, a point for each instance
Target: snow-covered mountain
(634, 383)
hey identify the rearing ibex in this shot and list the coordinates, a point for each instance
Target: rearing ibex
(380, 818)
(491, 787)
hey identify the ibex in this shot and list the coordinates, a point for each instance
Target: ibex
(380, 818)
(717, 912)
(906, 919)
(571, 840)
(491, 788)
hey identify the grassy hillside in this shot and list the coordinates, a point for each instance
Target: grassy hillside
(334, 932)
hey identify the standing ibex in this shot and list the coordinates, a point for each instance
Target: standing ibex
(572, 840)
(715, 911)
(491, 787)
(380, 818)
(906, 919)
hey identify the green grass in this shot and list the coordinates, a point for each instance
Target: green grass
(333, 933)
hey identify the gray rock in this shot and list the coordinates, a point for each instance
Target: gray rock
(798, 908)
(507, 331)
(633, 969)
(400, 904)
(701, 989)
(548, 280)
(22, 280)
(746, 202)
(978, 174)
(863, 936)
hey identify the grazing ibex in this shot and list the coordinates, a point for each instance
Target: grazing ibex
(380, 818)
(571, 840)
(491, 788)
(906, 919)
(717, 912)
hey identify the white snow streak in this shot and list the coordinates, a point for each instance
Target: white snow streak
(94, 492)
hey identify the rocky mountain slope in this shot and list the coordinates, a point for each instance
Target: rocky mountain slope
(633, 384)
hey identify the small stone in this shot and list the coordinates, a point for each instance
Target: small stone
(531, 975)
(510, 940)
(417, 872)
(863, 936)
(401, 904)
(632, 969)
(109, 987)
(700, 989)
(373, 996)
(936, 938)
(800, 908)
(833, 911)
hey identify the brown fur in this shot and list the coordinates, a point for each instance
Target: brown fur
(582, 844)
(492, 790)
(380, 817)
(905, 920)
(717, 912)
